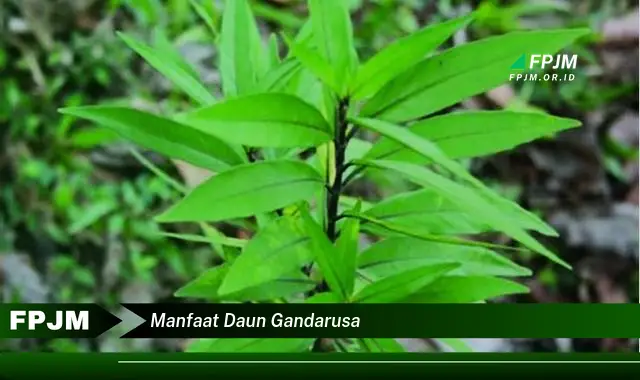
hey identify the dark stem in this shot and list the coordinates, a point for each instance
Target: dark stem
(334, 190)
(340, 141)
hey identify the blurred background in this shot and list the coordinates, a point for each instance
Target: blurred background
(76, 206)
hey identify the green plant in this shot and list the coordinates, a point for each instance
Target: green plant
(284, 144)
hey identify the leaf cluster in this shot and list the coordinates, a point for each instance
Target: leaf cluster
(284, 144)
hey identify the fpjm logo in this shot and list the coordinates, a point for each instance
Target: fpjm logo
(54, 320)
(65, 320)
(543, 62)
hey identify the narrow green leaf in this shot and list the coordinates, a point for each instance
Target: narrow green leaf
(398, 254)
(382, 345)
(313, 61)
(165, 48)
(241, 52)
(279, 77)
(277, 249)
(394, 231)
(347, 202)
(333, 35)
(166, 178)
(263, 120)
(218, 241)
(305, 33)
(401, 55)
(461, 72)
(306, 86)
(283, 17)
(321, 207)
(397, 287)
(513, 211)
(474, 134)
(264, 219)
(473, 202)
(273, 51)
(91, 137)
(224, 246)
(457, 345)
(251, 345)
(162, 135)
(325, 297)
(246, 190)
(458, 289)
(434, 155)
(172, 69)
(363, 279)
(428, 211)
(207, 286)
(421, 146)
(329, 106)
(295, 283)
(412, 141)
(206, 16)
(326, 255)
(347, 245)
(357, 149)
(222, 240)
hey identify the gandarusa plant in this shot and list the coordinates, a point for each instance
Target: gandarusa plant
(284, 146)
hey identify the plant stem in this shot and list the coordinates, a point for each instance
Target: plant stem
(334, 189)
(340, 142)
